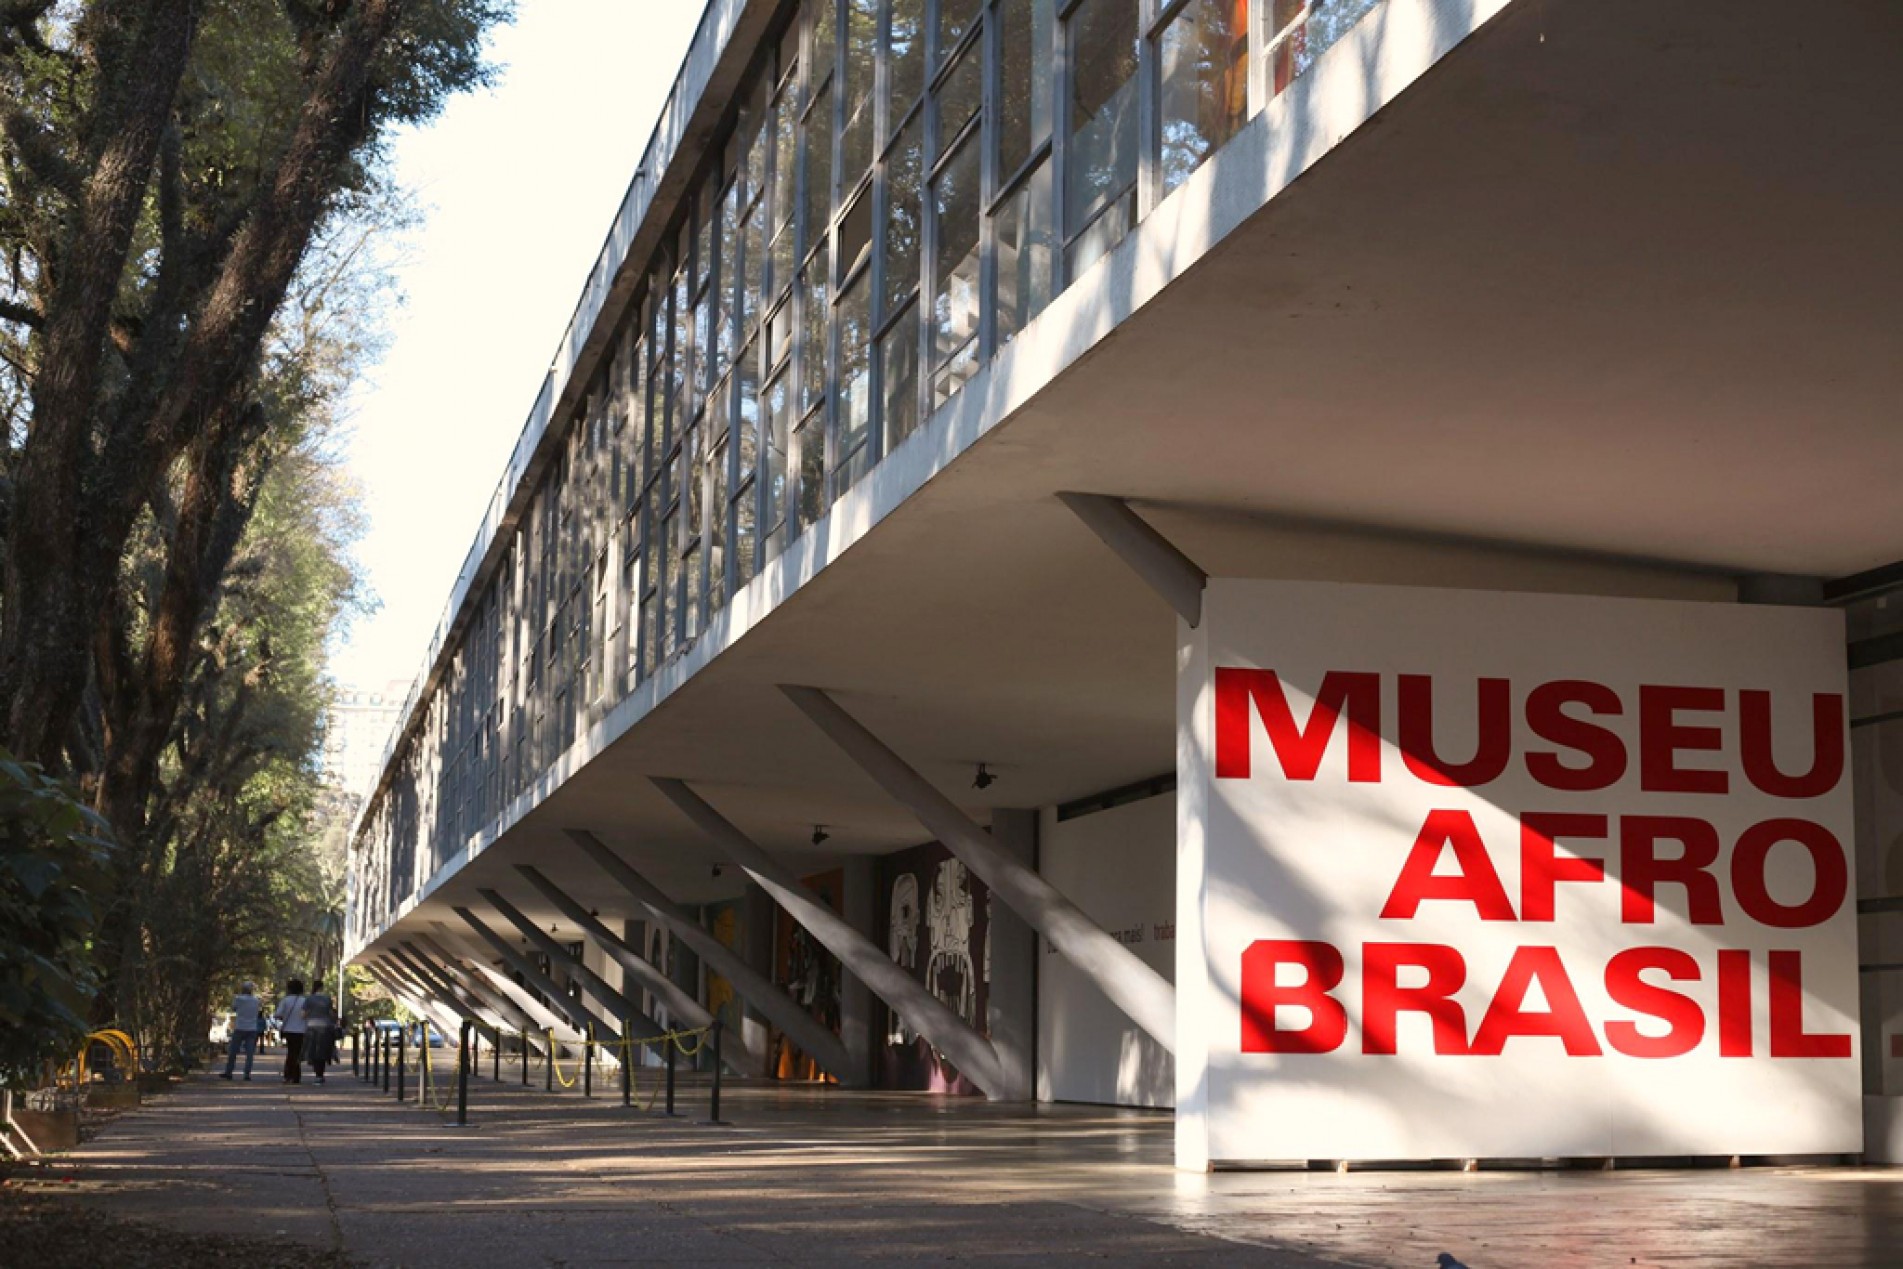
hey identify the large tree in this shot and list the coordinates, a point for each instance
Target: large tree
(167, 164)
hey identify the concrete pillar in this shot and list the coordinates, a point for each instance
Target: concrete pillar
(541, 1017)
(444, 990)
(498, 1001)
(592, 983)
(806, 1031)
(856, 1029)
(639, 971)
(970, 1052)
(1144, 995)
(577, 1014)
(758, 917)
(1011, 962)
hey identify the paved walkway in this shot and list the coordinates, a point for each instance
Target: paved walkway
(809, 1177)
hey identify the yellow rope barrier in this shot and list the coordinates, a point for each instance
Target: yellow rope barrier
(429, 1089)
(555, 1057)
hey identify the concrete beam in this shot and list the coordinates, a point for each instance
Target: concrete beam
(541, 1017)
(578, 1014)
(498, 1001)
(969, 1051)
(445, 991)
(638, 967)
(813, 1038)
(1133, 986)
(1150, 555)
(594, 984)
(412, 994)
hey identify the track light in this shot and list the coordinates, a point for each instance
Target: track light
(820, 834)
(984, 779)
(716, 870)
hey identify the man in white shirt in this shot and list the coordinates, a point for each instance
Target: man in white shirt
(245, 1025)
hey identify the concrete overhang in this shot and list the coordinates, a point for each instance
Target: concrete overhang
(1607, 301)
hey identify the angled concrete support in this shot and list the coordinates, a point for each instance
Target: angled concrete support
(541, 1018)
(969, 1051)
(445, 991)
(499, 1002)
(641, 970)
(1150, 555)
(419, 999)
(594, 984)
(577, 1014)
(813, 1038)
(1133, 986)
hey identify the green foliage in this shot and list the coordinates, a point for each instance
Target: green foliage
(53, 850)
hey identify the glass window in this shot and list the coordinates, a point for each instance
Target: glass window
(785, 183)
(753, 285)
(729, 256)
(1027, 253)
(776, 471)
(960, 96)
(819, 168)
(955, 274)
(813, 334)
(717, 528)
(779, 334)
(905, 57)
(811, 440)
(862, 39)
(747, 431)
(898, 368)
(745, 535)
(825, 38)
(1203, 60)
(903, 172)
(1101, 170)
(855, 234)
(855, 381)
(756, 135)
(1024, 44)
(955, 18)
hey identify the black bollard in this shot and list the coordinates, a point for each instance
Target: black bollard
(353, 1052)
(588, 1063)
(548, 1067)
(495, 1058)
(627, 1065)
(713, 1099)
(464, 1059)
(671, 1046)
(402, 1062)
(525, 1059)
(385, 1063)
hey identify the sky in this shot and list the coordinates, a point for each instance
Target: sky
(517, 186)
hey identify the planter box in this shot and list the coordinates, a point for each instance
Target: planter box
(114, 1096)
(50, 1130)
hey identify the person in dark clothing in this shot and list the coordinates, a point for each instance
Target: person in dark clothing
(320, 1029)
(290, 1016)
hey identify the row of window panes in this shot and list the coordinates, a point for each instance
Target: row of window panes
(870, 229)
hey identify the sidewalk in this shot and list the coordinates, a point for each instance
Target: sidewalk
(810, 1176)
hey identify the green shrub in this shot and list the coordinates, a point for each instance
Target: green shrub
(53, 851)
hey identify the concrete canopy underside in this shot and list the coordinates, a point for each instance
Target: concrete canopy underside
(1607, 301)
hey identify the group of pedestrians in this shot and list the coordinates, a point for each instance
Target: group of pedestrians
(308, 1022)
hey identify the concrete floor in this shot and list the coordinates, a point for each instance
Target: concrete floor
(816, 1176)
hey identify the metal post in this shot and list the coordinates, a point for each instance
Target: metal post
(627, 1066)
(495, 1059)
(671, 1046)
(386, 1061)
(713, 1101)
(464, 1060)
(525, 1058)
(548, 1066)
(402, 1062)
(353, 1052)
(588, 1063)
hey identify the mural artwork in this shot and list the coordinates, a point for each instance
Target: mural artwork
(810, 974)
(938, 926)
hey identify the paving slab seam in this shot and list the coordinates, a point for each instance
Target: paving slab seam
(323, 1181)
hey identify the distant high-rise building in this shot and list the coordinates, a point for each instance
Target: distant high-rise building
(357, 730)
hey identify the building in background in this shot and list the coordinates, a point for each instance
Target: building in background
(1214, 553)
(357, 730)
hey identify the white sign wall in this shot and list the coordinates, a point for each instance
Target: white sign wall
(1474, 874)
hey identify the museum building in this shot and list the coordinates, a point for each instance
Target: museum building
(1333, 567)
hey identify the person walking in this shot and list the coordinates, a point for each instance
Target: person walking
(320, 1029)
(290, 1016)
(246, 1023)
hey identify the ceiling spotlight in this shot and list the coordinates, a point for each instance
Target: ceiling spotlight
(984, 779)
(820, 834)
(716, 870)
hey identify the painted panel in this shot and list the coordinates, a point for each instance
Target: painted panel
(935, 919)
(1505, 875)
(810, 974)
